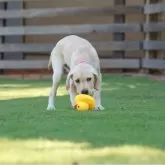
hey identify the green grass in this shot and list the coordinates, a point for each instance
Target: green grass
(130, 130)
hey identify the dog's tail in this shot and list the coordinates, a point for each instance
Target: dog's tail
(50, 63)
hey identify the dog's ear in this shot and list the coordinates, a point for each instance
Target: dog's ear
(69, 76)
(97, 80)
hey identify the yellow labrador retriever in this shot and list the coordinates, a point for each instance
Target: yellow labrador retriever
(84, 76)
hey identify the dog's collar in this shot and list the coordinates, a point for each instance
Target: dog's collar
(83, 61)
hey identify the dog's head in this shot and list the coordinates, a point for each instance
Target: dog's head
(84, 79)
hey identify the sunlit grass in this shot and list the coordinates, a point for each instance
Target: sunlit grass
(12, 86)
(54, 151)
(130, 130)
(29, 92)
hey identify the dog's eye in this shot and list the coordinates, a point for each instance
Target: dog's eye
(77, 81)
(89, 79)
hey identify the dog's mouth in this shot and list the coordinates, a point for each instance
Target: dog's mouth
(91, 93)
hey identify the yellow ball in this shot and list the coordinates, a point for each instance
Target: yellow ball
(82, 106)
(87, 99)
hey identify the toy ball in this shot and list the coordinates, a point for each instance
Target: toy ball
(84, 102)
(82, 106)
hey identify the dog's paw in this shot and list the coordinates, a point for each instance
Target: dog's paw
(99, 107)
(51, 107)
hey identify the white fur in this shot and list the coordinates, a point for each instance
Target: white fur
(82, 59)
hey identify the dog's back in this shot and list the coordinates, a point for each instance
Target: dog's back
(74, 49)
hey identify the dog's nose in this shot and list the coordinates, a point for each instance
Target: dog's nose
(84, 91)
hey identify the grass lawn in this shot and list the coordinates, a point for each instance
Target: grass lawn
(131, 129)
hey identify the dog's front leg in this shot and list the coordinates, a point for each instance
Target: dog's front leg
(73, 93)
(72, 97)
(56, 79)
(98, 100)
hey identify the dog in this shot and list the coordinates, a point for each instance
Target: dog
(83, 63)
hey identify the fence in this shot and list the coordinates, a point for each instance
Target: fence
(13, 48)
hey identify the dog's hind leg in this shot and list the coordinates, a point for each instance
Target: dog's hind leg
(57, 65)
